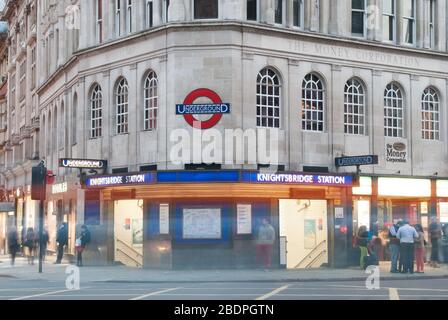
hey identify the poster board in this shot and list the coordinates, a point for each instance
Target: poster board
(244, 219)
(310, 233)
(164, 218)
(201, 223)
(137, 232)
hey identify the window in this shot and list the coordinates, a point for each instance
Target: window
(393, 111)
(389, 20)
(313, 103)
(96, 112)
(55, 130)
(205, 9)
(432, 19)
(57, 46)
(129, 16)
(268, 99)
(74, 115)
(118, 17)
(12, 86)
(252, 12)
(409, 21)
(354, 107)
(99, 21)
(278, 11)
(33, 67)
(149, 13)
(22, 80)
(62, 127)
(298, 13)
(122, 106)
(167, 4)
(358, 17)
(150, 101)
(430, 115)
(49, 136)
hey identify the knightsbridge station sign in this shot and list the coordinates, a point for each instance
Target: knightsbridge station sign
(83, 163)
(224, 176)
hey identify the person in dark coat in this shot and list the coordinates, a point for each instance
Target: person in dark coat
(30, 243)
(45, 241)
(62, 240)
(13, 244)
(81, 242)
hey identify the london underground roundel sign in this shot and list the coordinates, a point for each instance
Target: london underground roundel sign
(188, 109)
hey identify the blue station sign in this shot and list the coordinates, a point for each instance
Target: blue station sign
(298, 178)
(356, 161)
(121, 180)
(212, 108)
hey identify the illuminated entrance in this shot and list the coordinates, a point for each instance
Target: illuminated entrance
(303, 227)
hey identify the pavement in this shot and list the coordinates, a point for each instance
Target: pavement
(123, 274)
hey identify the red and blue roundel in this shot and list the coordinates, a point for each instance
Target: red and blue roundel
(188, 109)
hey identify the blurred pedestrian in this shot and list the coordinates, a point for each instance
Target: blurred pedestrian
(44, 243)
(394, 247)
(30, 244)
(13, 243)
(435, 233)
(81, 242)
(62, 240)
(407, 235)
(362, 243)
(420, 249)
(265, 242)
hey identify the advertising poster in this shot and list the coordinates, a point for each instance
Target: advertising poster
(202, 223)
(310, 233)
(244, 219)
(137, 232)
(164, 218)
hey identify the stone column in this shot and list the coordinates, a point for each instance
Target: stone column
(335, 112)
(314, 15)
(157, 12)
(267, 11)
(422, 20)
(176, 11)
(294, 141)
(325, 14)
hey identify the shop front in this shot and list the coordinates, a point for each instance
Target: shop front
(61, 207)
(6, 221)
(379, 202)
(210, 219)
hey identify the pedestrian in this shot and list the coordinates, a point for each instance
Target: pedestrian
(265, 242)
(407, 235)
(394, 247)
(30, 244)
(44, 243)
(62, 240)
(362, 243)
(13, 243)
(435, 233)
(81, 242)
(420, 249)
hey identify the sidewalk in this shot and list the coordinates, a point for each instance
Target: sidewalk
(52, 272)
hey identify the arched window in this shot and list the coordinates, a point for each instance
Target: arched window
(49, 135)
(268, 99)
(393, 111)
(313, 103)
(74, 115)
(55, 129)
(62, 127)
(122, 106)
(150, 101)
(354, 107)
(96, 112)
(430, 115)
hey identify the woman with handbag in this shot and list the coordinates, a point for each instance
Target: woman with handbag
(80, 244)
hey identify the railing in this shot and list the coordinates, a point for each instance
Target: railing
(132, 254)
(318, 248)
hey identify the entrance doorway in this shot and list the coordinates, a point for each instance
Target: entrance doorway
(303, 224)
(128, 232)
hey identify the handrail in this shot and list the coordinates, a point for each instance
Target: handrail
(315, 259)
(310, 253)
(134, 260)
(130, 248)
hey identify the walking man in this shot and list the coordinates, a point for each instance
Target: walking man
(62, 240)
(265, 241)
(407, 234)
(435, 232)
